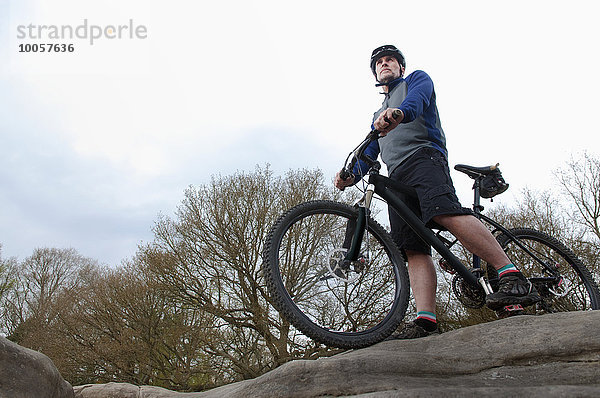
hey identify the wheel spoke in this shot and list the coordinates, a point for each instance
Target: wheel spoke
(559, 276)
(340, 303)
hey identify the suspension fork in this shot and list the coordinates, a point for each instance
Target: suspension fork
(355, 230)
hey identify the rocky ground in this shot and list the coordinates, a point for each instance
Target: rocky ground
(555, 355)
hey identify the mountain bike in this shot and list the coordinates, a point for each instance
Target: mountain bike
(336, 274)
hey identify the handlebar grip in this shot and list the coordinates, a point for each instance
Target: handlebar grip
(396, 113)
(344, 174)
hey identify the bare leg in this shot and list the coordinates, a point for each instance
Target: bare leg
(475, 237)
(423, 280)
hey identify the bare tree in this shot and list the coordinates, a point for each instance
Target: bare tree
(189, 312)
(102, 325)
(580, 182)
(209, 258)
(39, 279)
(7, 282)
(121, 328)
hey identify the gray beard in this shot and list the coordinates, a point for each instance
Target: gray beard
(386, 79)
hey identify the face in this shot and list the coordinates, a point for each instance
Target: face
(387, 69)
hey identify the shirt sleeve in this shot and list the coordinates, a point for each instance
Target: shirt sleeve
(418, 96)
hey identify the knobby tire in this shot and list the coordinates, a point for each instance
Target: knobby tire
(299, 262)
(583, 294)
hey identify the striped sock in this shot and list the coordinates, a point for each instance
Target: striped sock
(426, 320)
(507, 269)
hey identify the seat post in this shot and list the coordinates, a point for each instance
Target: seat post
(477, 207)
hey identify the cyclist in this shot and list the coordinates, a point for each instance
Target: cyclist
(413, 147)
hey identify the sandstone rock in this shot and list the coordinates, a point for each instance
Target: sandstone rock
(548, 356)
(556, 355)
(126, 390)
(26, 373)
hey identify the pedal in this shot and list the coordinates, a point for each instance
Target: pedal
(510, 310)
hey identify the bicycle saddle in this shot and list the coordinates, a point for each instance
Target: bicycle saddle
(475, 172)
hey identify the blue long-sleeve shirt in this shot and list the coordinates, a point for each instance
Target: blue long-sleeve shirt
(421, 127)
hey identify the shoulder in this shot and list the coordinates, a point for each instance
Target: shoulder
(417, 76)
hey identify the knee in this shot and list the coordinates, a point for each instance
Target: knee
(416, 258)
(414, 254)
(450, 221)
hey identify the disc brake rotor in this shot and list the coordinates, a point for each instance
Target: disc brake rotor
(562, 288)
(339, 268)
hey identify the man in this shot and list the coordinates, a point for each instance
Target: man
(413, 147)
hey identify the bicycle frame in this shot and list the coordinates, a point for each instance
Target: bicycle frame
(497, 227)
(385, 187)
(381, 186)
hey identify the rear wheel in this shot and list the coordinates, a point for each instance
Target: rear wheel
(562, 280)
(340, 304)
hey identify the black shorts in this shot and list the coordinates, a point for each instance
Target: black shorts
(427, 172)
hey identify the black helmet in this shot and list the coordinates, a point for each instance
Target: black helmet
(382, 51)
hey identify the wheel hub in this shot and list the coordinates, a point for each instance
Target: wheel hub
(340, 268)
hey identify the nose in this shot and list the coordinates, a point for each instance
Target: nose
(385, 64)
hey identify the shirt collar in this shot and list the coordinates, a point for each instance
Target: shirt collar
(391, 84)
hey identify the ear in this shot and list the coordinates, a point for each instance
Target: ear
(401, 71)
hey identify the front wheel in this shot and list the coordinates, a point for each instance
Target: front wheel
(337, 303)
(563, 281)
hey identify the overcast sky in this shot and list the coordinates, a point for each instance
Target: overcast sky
(95, 143)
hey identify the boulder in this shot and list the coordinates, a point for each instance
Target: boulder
(555, 355)
(25, 373)
(126, 390)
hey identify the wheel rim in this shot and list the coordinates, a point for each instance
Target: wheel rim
(354, 300)
(561, 290)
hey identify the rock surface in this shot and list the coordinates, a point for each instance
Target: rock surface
(26, 373)
(126, 390)
(555, 355)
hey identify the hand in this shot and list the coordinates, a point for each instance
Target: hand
(341, 184)
(386, 121)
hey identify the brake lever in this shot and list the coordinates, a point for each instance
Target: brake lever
(372, 136)
(344, 175)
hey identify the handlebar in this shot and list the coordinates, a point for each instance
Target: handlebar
(358, 153)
